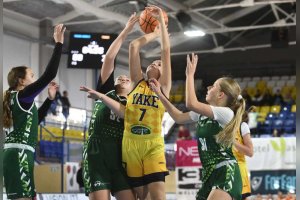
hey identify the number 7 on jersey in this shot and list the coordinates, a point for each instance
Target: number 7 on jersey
(143, 113)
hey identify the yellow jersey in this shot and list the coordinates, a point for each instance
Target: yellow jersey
(240, 157)
(144, 113)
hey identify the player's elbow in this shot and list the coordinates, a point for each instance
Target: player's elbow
(189, 105)
(135, 44)
(250, 153)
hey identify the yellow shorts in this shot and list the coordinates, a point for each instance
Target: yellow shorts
(143, 157)
(245, 178)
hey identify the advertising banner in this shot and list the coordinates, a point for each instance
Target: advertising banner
(188, 170)
(187, 153)
(188, 182)
(272, 181)
(58, 197)
(273, 154)
(71, 169)
(272, 167)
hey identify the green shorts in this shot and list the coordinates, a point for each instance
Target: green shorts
(18, 167)
(226, 178)
(103, 168)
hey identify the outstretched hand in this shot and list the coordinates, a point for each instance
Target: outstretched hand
(191, 64)
(52, 89)
(93, 94)
(131, 21)
(155, 11)
(58, 34)
(155, 86)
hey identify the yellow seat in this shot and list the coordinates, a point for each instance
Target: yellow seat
(294, 93)
(293, 108)
(265, 109)
(261, 117)
(275, 109)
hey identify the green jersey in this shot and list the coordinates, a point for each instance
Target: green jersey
(104, 122)
(212, 154)
(25, 123)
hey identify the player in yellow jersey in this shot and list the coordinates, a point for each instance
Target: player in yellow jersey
(143, 145)
(243, 146)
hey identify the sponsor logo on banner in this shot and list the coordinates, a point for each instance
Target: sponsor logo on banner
(256, 182)
(188, 182)
(188, 170)
(280, 146)
(71, 169)
(270, 182)
(187, 153)
(276, 154)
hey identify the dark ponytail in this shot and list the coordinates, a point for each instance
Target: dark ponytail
(13, 77)
(7, 116)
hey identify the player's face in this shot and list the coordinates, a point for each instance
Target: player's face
(123, 82)
(213, 92)
(29, 78)
(154, 70)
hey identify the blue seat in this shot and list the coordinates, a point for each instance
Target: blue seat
(282, 115)
(266, 127)
(290, 122)
(52, 149)
(291, 116)
(277, 124)
(271, 116)
(42, 148)
(58, 149)
(289, 126)
(285, 108)
(48, 149)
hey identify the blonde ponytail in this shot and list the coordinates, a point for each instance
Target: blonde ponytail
(237, 103)
(227, 135)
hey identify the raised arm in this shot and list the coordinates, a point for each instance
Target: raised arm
(115, 106)
(28, 94)
(178, 116)
(192, 102)
(135, 67)
(166, 74)
(108, 64)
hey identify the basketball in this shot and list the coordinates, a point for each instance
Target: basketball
(148, 22)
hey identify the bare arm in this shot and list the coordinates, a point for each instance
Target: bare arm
(178, 116)
(108, 64)
(247, 147)
(166, 75)
(135, 68)
(192, 102)
(115, 106)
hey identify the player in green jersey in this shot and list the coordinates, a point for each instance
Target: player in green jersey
(21, 118)
(217, 124)
(103, 170)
